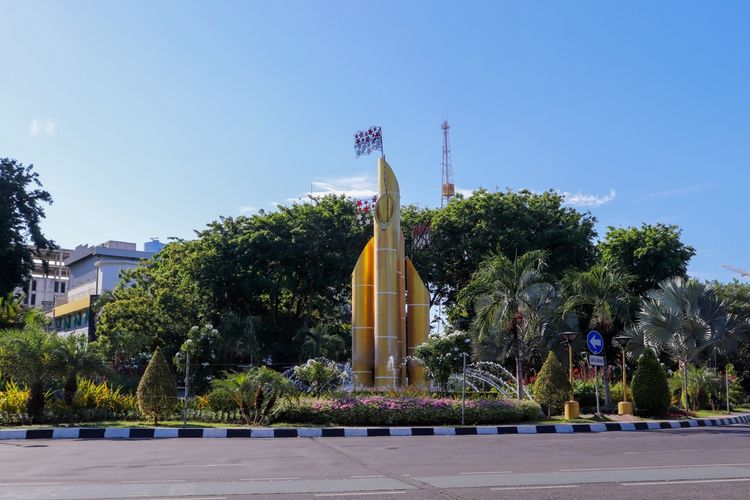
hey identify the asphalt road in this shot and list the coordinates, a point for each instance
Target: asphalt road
(685, 463)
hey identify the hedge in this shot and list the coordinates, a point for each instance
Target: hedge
(382, 411)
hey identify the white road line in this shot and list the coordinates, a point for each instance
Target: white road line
(270, 479)
(652, 467)
(361, 493)
(27, 484)
(488, 472)
(366, 477)
(182, 466)
(154, 481)
(690, 481)
(535, 487)
(189, 498)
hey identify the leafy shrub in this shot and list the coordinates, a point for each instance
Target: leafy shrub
(443, 356)
(650, 388)
(615, 391)
(552, 386)
(157, 392)
(13, 399)
(318, 375)
(584, 391)
(102, 396)
(381, 410)
(254, 392)
(736, 392)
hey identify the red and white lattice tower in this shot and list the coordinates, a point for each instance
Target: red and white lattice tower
(448, 188)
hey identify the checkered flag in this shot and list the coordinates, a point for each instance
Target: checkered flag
(367, 141)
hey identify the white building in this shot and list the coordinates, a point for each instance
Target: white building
(46, 285)
(93, 270)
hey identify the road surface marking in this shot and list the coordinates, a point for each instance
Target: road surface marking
(535, 487)
(269, 479)
(488, 472)
(690, 481)
(155, 481)
(189, 498)
(363, 493)
(27, 484)
(651, 467)
(367, 477)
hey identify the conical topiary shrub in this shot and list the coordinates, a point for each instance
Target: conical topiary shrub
(650, 388)
(157, 391)
(551, 387)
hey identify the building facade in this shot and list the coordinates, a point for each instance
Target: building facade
(93, 270)
(45, 285)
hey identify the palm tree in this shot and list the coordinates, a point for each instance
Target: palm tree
(26, 356)
(686, 318)
(600, 295)
(511, 298)
(257, 388)
(72, 358)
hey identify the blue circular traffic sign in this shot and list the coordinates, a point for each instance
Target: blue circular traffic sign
(595, 342)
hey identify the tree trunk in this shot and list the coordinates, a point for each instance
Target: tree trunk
(683, 369)
(69, 394)
(258, 404)
(605, 382)
(269, 405)
(35, 404)
(245, 412)
(519, 365)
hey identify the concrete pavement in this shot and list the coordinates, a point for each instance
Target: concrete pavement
(679, 463)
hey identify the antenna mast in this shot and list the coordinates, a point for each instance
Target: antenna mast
(448, 188)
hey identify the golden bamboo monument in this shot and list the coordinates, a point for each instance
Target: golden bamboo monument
(390, 303)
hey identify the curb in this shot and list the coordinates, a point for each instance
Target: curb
(318, 432)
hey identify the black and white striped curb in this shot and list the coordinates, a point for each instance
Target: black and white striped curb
(317, 432)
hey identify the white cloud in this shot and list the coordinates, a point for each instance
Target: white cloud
(465, 192)
(588, 200)
(358, 186)
(247, 210)
(697, 188)
(42, 127)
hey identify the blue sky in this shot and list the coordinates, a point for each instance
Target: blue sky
(154, 118)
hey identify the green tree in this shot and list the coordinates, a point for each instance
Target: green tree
(649, 387)
(443, 356)
(507, 222)
(332, 341)
(259, 280)
(651, 253)
(600, 296)
(27, 357)
(736, 297)
(511, 297)
(686, 318)
(552, 385)
(157, 391)
(75, 357)
(21, 213)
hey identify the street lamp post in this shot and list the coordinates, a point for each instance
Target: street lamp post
(624, 407)
(463, 388)
(572, 409)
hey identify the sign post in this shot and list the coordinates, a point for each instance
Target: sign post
(595, 343)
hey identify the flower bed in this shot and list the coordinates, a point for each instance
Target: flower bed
(381, 410)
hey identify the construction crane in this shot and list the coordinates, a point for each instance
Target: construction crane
(737, 270)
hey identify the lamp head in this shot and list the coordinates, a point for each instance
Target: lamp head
(569, 336)
(623, 340)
